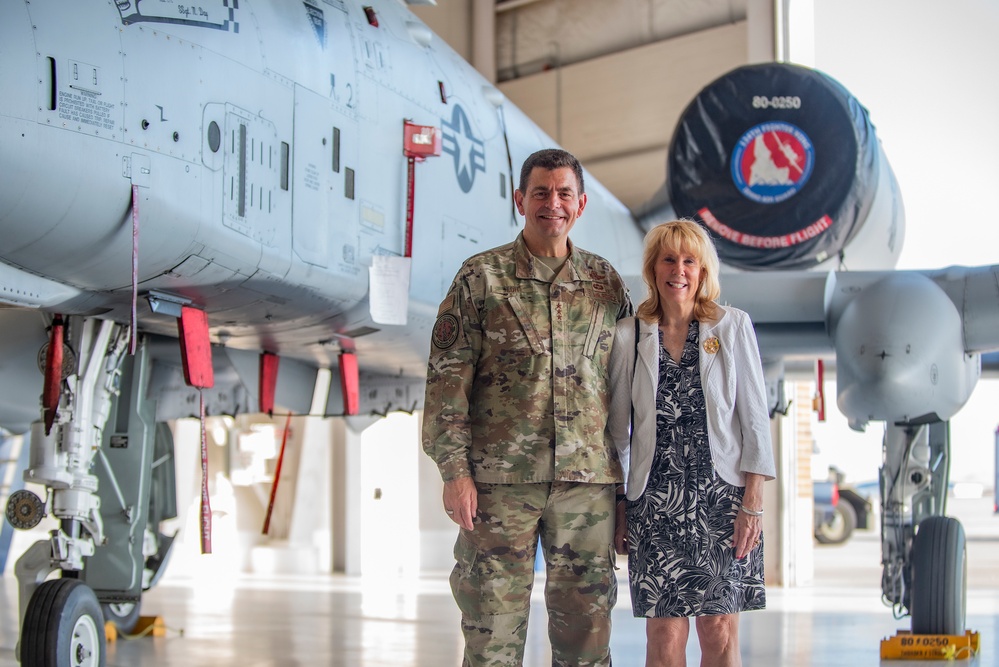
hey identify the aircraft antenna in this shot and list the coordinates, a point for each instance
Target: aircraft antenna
(509, 165)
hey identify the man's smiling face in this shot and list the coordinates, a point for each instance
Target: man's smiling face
(550, 207)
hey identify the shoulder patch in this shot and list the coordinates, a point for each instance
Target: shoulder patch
(445, 331)
(447, 304)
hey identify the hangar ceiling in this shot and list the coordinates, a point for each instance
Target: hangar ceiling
(543, 34)
(607, 80)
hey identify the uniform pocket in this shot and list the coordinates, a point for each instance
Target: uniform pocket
(488, 582)
(465, 578)
(596, 332)
(527, 324)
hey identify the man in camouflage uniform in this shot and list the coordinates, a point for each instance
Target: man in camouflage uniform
(515, 412)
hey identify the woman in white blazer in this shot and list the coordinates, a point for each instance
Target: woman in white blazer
(690, 421)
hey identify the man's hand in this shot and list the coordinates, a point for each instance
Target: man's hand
(461, 501)
(620, 529)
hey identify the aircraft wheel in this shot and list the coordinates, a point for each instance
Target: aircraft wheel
(939, 577)
(63, 626)
(124, 615)
(840, 528)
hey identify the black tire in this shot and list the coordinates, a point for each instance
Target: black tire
(939, 577)
(63, 627)
(124, 615)
(840, 528)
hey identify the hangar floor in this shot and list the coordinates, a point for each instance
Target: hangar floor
(251, 620)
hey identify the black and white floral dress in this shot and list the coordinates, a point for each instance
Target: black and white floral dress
(680, 556)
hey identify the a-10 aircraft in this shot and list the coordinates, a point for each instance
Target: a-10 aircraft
(201, 205)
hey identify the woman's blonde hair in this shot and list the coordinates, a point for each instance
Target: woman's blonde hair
(687, 237)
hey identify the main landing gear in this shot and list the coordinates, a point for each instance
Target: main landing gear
(923, 550)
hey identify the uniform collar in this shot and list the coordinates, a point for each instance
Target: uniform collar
(528, 269)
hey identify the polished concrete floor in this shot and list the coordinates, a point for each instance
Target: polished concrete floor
(255, 621)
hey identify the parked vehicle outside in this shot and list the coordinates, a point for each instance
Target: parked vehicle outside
(839, 509)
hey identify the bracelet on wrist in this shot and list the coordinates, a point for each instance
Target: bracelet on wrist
(750, 512)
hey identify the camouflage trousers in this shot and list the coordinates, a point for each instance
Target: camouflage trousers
(494, 573)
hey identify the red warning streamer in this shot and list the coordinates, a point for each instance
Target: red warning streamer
(350, 383)
(196, 357)
(53, 373)
(267, 381)
(206, 505)
(277, 475)
(418, 143)
(410, 196)
(195, 348)
(135, 270)
(820, 383)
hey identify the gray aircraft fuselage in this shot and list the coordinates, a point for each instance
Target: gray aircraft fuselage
(264, 142)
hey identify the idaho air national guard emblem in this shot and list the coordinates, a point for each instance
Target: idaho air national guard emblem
(445, 331)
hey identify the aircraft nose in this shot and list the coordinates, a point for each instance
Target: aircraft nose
(900, 352)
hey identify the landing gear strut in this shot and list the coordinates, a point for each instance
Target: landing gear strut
(923, 551)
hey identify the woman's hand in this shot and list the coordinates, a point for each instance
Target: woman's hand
(749, 527)
(748, 530)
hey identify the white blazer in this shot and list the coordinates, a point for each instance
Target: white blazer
(734, 396)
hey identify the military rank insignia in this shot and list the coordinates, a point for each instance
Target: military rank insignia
(445, 331)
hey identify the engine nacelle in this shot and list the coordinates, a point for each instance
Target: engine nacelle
(782, 164)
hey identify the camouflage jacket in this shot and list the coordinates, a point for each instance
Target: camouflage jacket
(517, 379)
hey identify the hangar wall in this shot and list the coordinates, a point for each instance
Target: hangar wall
(610, 85)
(616, 113)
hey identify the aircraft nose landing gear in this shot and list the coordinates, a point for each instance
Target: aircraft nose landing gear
(61, 620)
(63, 626)
(923, 550)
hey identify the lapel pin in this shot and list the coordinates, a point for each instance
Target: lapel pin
(711, 345)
